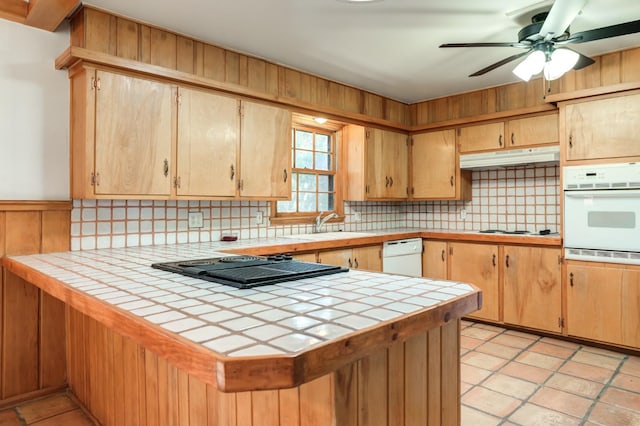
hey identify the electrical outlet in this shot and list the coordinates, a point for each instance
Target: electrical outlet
(195, 220)
(463, 214)
(259, 217)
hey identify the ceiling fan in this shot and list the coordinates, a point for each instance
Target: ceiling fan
(545, 41)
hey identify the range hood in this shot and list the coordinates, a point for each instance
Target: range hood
(510, 157)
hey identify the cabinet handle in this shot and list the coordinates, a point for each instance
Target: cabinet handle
(166, 167)
(500, 140)
(570, 141)
(233, 172)
(386, 178)
(355, 262)
(506, 259)
(390, 181)
(442, 255)
(493, 260)
(350, 264)
(571, 279)
(451, 180)
(513, 138)
(285, 175)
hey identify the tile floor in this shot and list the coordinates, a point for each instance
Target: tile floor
(515, 378)
(52, 410)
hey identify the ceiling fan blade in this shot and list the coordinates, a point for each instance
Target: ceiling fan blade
(562, 13)
(499, 63)
(583, 62)
(507, 44)
(606, 32)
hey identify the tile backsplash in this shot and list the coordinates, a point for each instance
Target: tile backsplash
(512, 198)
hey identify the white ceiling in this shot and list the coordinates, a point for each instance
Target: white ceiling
(389, 47)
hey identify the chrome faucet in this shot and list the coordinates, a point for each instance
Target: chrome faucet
(320, 221)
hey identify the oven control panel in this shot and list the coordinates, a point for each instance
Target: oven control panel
(601, 176)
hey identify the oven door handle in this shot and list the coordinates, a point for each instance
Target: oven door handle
(606, 193)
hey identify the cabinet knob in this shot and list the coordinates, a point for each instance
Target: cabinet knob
(571, 279)
(442, 255)
(451, 180)
(166, 168)
(570, 141)
(493, 260)
(390, 181)
(285, 174)
(500, 140)
(355, 262)
(350, 264)
(386, 178)
(233, 172)
(513, 138)
(506, 260)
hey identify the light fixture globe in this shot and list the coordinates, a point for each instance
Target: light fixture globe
(562, 60)
(531, 65)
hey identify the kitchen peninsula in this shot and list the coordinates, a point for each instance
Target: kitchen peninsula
(351, 348)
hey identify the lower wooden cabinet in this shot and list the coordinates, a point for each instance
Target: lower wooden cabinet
(478, 264)
(532, 291)
(366, 257)
(434, 259)
(603, 302)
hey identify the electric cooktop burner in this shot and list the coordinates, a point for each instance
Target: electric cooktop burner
(248, 271)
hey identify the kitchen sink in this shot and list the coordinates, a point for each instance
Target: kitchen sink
(324, 236)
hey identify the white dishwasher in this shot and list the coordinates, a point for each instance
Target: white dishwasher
(403, 257)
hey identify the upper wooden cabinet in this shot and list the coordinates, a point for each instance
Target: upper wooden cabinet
(377, 164)
(208, 136)
(481, 137)
(137, 137)
(601, 128)
(265, 151)
(435, 168)
(512, 133)
(531, 287)
(121, 136)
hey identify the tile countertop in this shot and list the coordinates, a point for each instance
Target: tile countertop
(219, 324)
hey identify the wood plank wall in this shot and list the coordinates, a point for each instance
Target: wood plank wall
(106, 33)
(609, 69)
(32, 351)
(121, 383)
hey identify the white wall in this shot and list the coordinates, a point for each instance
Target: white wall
(34, 114)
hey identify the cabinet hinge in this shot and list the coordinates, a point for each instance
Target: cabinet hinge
(366, 189)
(560, 259)
(413, 190)
(92, 179)
(411, 141)
(560, 322)
(176, 182)
(367, 134)
(178, 99)
(407, 188)
(459, 131)
(240, 184)
(451, 251)
(240, 110)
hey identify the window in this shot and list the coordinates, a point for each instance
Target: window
(314, 187)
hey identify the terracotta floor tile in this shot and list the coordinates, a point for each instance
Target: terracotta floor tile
(9, 417)
(585, 371)
(562, 402)
(552, 350)
(464, 387)
(478, 333)
(597, 360)
(470, 342)
(473, 375)
(522, 335)
(526, 372)
(472, 417)
(604, 352)
(490, 327)
(533, 415)
(490, 402)
(511, 386)
(540, 360)
(481, 360)
(559, 342)
(622, 398)
(627, 381)
(608, 415)
(502, 351)
(574, 385)
(631, 366)
(513, 341)
(465, 323)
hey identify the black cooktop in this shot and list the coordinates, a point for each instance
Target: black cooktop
(248, 271)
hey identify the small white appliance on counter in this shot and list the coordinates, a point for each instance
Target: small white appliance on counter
(602, 212)
(403, 257)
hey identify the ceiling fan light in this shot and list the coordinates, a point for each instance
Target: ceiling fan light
(530, 66)
(562, 60)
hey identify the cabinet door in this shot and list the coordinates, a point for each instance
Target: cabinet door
(434, 259)
(603, 128)
(631, 308)
(396, 164)
(433, 165)
(477, 264)
(594, 303)
(482, 137)
(208, 128)
(532, 291)
(306, 257)
(338, 257)
(376, 172)
(542, 129)
(133, 136)
(265, 154)
(368, 257)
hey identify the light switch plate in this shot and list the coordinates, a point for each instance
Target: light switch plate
(195, 220)
(259, 217)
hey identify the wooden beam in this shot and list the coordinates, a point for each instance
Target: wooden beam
(14, 10)
(49, 14)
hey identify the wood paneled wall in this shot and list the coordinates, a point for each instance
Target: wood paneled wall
(32, 348)
(609, 69)
(121, 383)
(106, 33)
